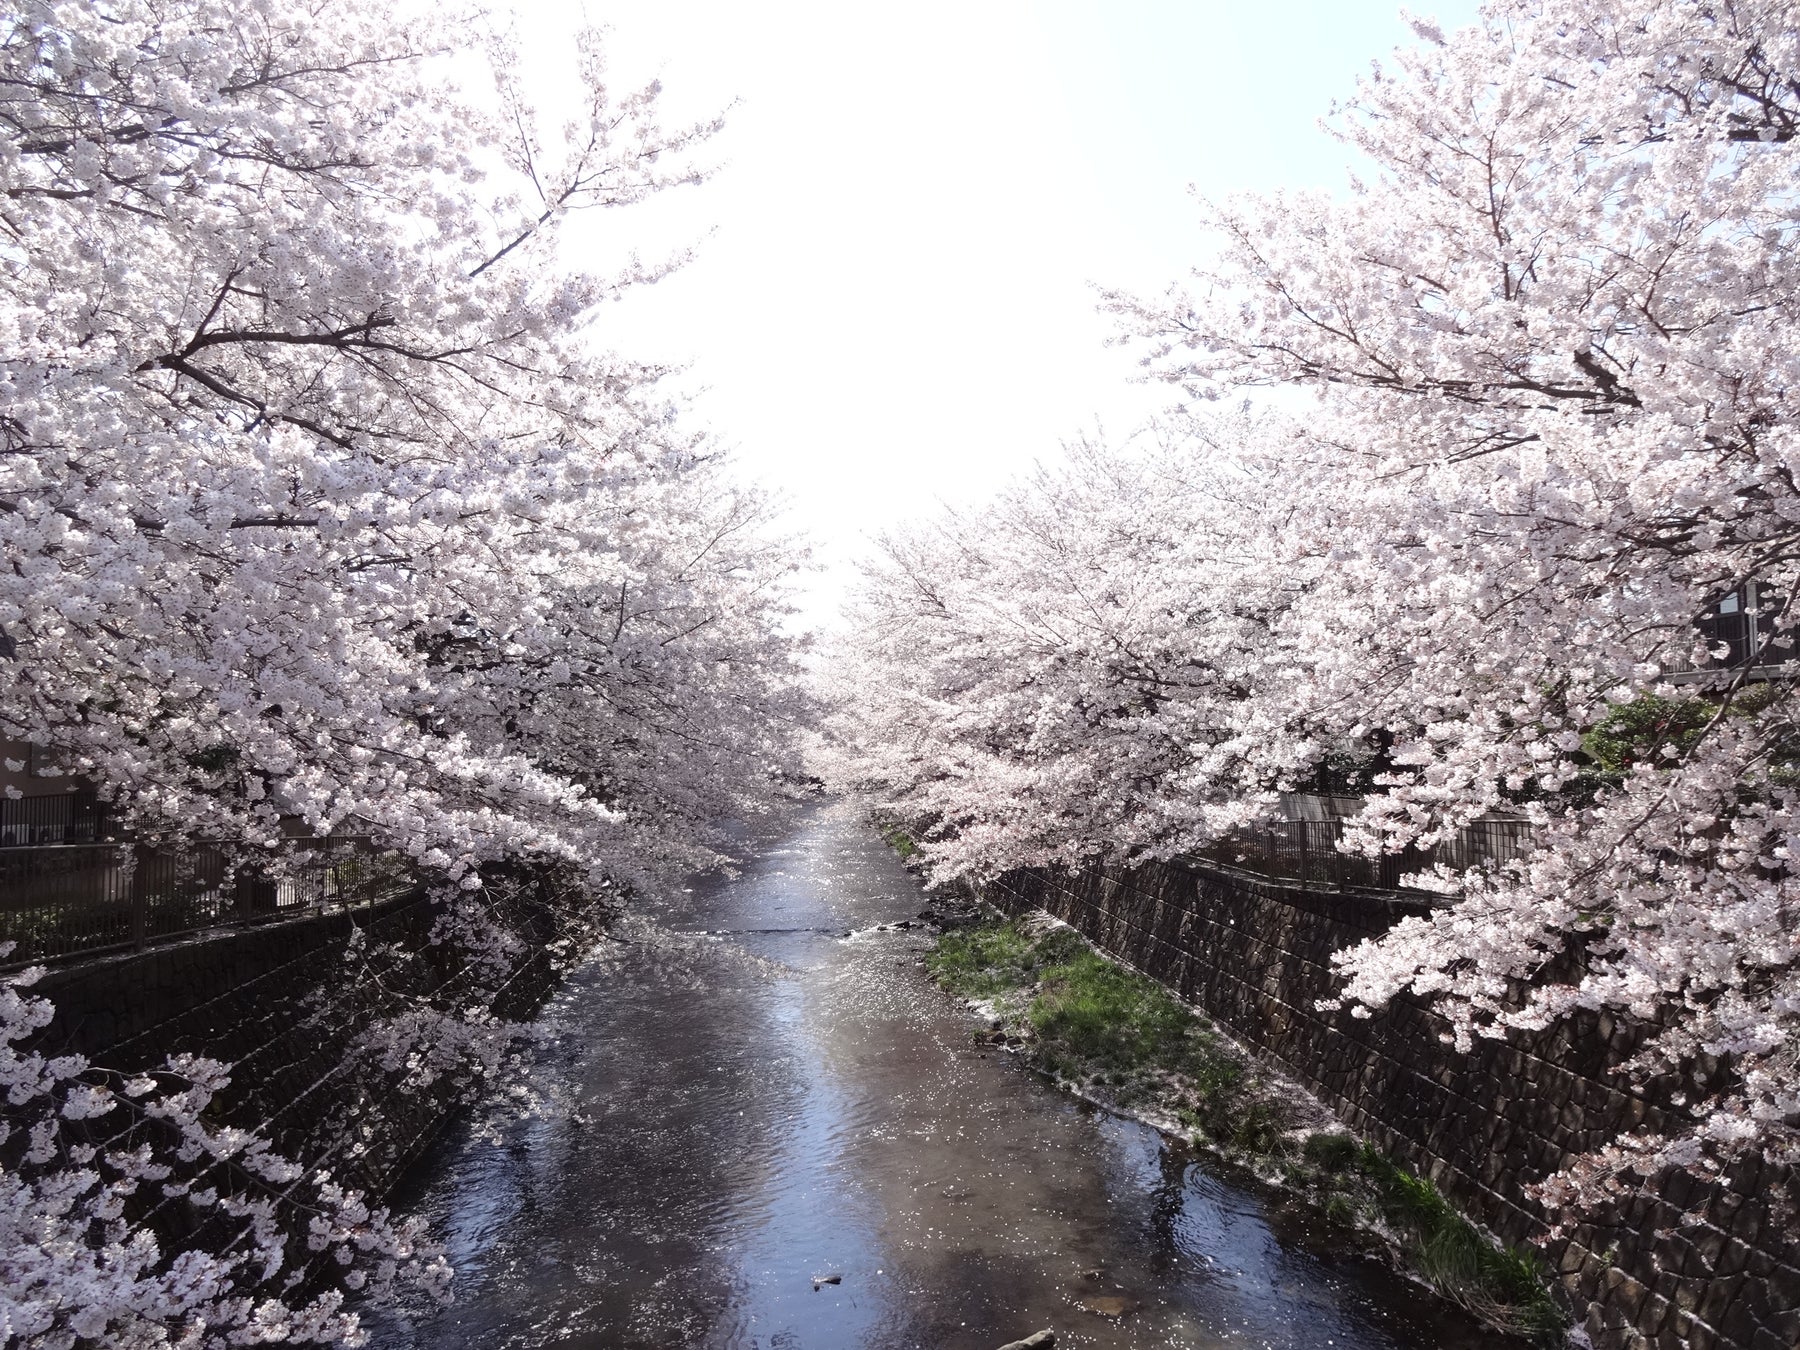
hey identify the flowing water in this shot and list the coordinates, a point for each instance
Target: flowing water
(763, 1091)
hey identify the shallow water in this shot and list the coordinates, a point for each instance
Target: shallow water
(765, 1092)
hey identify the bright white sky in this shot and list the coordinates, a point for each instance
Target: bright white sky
(895, 303)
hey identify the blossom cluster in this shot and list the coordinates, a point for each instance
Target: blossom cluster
(1536, 429)
(94, 1159)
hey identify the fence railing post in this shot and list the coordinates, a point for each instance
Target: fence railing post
(141, 859)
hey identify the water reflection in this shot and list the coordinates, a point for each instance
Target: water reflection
(766, 1092)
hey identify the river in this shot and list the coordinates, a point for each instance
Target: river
(761, 1090)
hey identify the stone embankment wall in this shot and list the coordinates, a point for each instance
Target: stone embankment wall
(280, 1003)
(1687, 1261)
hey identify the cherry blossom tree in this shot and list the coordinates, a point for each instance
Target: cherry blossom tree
(1549, 348)
(92, 1155)
(1553, 342)
(1061, 670)
(325, 507)
(312, 445)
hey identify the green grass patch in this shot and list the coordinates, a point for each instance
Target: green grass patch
(992, 959)
(1332, 1154)
(900, 841)
(1100, 1012)
(1121, 1035)
(1501, 1283)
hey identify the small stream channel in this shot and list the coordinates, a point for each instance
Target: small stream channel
(757, 1099)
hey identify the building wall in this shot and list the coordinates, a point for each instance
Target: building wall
(1688, 1260)
(36, 776)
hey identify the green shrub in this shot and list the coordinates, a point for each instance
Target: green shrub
(1261, 1127)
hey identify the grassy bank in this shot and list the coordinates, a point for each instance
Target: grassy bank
(1122, 1040)
(900, 841)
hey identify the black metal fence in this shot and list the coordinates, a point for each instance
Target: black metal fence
(60, 900)
(59, 818)
(1307, 851)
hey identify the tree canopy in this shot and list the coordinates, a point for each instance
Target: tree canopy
(323, 497)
